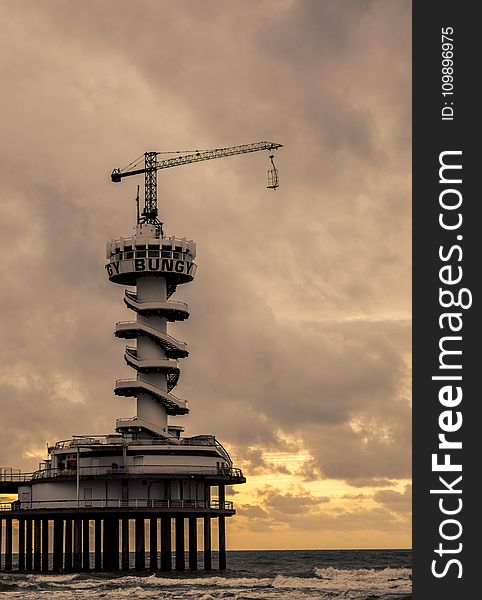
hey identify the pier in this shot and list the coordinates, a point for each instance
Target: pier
(101, 540)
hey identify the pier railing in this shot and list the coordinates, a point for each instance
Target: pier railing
(148, 328)
(14, 475)
(103, 503)
(119, 440)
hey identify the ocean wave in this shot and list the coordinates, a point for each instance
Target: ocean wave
(329, 583)
(363, 581)
(268, 576)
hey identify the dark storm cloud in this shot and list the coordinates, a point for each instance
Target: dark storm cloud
(300, 309)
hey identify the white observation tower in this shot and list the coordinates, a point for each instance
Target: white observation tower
(96, 497)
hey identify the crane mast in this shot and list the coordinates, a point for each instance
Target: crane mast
(152, 165)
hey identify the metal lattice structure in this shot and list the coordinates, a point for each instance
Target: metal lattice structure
(150, 206)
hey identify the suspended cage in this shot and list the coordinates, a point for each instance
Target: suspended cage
(273, 175)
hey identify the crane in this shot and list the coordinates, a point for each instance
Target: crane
(152, 164)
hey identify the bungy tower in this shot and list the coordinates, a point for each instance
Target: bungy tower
(146, 487)
(155, 266)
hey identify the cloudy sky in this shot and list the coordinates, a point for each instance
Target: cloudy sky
(300, 330)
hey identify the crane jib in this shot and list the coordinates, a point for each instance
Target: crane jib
(117, 174)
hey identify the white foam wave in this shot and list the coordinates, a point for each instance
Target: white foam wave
(332, 583)
(374, 581)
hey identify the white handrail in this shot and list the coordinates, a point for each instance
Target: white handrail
(103, 503)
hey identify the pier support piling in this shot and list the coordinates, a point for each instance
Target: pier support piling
(193, 543)
(125, 544)
(8, 545)
(106, 558)
(28, 545)
(37, 533)
(180, 557)
(166, 549)
(21, 544)
(98, 544)
(140, 561)
(86, 545)
(110, 542)
(77, 544)
(222, 529)
(68, 545)
(58, 543)
(207, 544)
(115, 543)
(153, 544)
(222, 542)
(45, 545)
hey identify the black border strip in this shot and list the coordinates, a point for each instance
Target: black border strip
(433, 135)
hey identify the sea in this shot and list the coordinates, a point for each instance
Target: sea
(270, 574)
